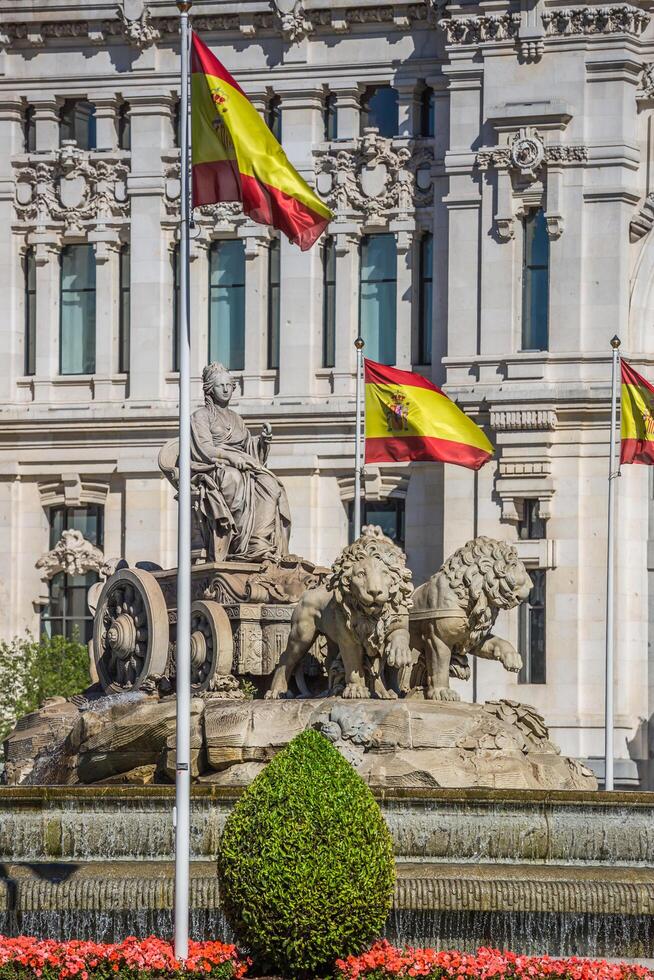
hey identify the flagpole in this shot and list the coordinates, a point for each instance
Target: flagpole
(359, 344)
(613, 473)
(183, 648)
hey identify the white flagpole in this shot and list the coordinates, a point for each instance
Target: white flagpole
(613, 474)
(359, 343)
(183, 648)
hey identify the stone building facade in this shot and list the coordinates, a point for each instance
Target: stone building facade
(490, 169)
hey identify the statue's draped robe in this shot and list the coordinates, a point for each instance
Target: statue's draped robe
(250, 506)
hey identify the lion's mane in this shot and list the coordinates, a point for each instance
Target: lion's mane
(371, 631)
(481, 576)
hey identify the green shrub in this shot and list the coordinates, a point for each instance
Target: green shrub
(306, 861)
(33, 670)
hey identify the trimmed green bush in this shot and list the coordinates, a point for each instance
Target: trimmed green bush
(306, 861)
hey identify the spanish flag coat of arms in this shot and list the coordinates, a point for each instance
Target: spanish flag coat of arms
(409, 418)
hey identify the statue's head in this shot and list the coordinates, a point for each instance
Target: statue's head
(217, 384)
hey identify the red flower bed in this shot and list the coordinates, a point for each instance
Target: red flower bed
(385, 962)
(134, 959)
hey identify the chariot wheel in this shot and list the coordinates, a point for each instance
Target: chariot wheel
(130, 631)
(212, 644)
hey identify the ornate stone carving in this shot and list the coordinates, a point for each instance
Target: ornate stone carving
(74, 555)
(373, 176)
(527, 152)
(642, 221)
(646, 86)
(292, 19)
(138, 31)
(521, 420)
(70, 186)
(480, 29)
(454, 612)
(620, 19)
(557, 153)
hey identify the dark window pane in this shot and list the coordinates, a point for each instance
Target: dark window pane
(273, 304)
(227, 304)
(330, 118)
(175, 352)
(274, 117)
(124, 127)
(532, 632)
(377, 297)
(388, 514)
(532, 525)
(380, 109)
(328, 303)
(77, 122)
(426, 298)
(124, 310)
(535, 282)
(29, 272)
(77, 310)
(29, 130)
(427, 113)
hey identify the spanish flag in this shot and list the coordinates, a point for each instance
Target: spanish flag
(408, 417)
(636, 418)
(235, 157)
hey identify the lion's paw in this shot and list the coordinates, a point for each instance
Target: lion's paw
(356, 691)
(275, 695)
(509, 658)
(441, 694)
(385, 694)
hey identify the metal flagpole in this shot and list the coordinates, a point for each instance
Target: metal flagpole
(359, 343)
(183, 650)
(613, 473)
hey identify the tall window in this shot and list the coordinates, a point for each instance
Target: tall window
(274, 117)
(427, 112)
(387, 514)
(227, 304)
(273, 304)
(77, 310)
(377, 296)
(328, 303)
(535, 281)
(29, 273)
(175, 261)
(425, 306)
(77, 122)
(531, 615)
(67, 613)
(177, 123)
(330, 117)
(29, 130)
(379, 108)
(124, 127)
(124, 315)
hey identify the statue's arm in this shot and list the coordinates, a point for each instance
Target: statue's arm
(264, 441)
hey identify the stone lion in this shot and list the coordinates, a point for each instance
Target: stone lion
(454, 612)
(362, 610)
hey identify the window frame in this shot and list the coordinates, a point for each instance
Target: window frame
(330, 117)
(274, 116)
(363, 242)
(390, 504)
(425, 286)
(29, 301)
(274, 306)
(530, 332)
(86, 289)
(329, 303)
(428, 112)
(176, 300)
(214, 250)
(67, 119)
(124, 311)
(533, 672)
(368, 96)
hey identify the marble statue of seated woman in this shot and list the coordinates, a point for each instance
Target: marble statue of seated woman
(241, 506)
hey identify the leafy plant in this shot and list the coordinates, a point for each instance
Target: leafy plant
(33, 670)
(306, 861)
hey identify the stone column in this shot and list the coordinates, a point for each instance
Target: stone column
(348, 109)
(404, 300)
(46, 121)
(107, 275)
(151, 285)
(256, 307)
(347, 307)
(300, 309)
(47, 304)
(12, 340)
(106, 119)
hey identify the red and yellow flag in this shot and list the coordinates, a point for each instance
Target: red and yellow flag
(408, 417)
(235, 157)
(637, 417)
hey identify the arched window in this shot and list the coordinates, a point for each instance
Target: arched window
(535, 281)
(378, 296)
(227, 304)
